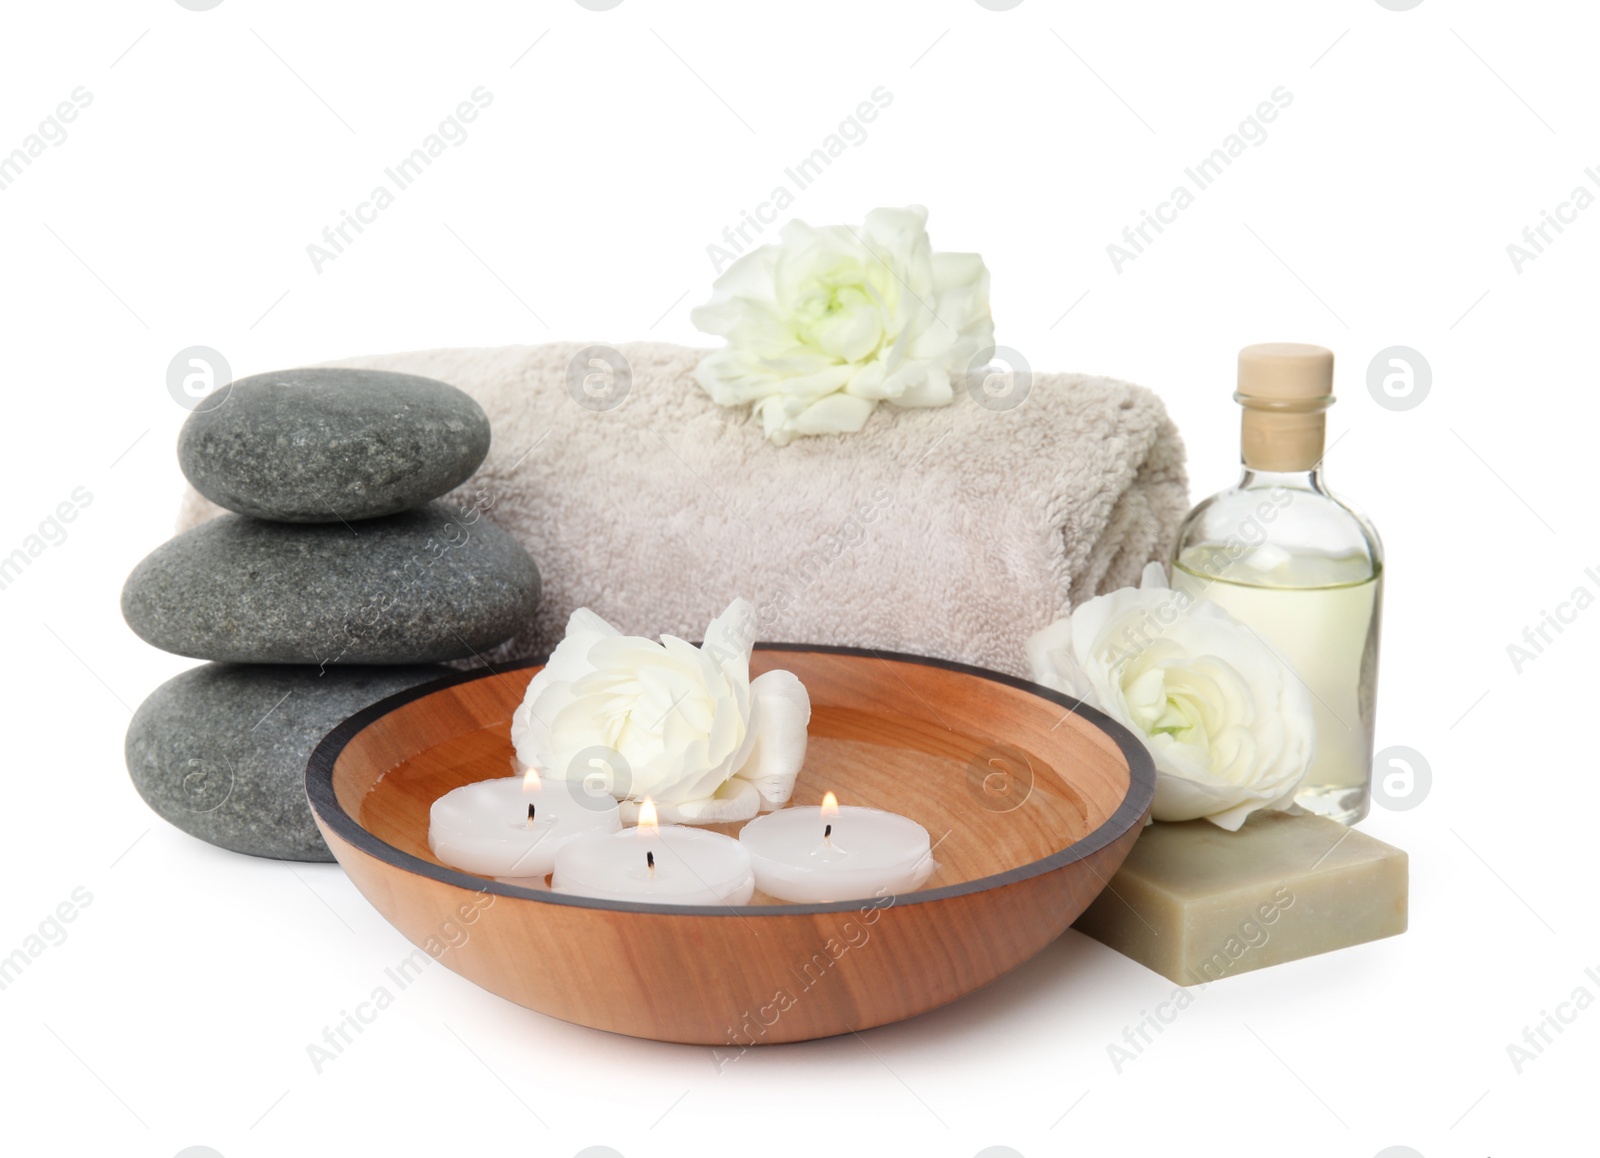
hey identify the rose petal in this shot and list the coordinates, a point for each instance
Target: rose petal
(731, 636)
(783, 709)
(833, 414)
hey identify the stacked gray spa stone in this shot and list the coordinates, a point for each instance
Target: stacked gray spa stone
(339, 580)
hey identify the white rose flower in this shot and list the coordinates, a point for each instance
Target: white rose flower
(829, 322)
(1227, 720)
(699, 737)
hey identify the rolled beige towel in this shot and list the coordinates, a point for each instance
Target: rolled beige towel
(953, 532)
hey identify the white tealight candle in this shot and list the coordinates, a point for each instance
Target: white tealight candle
(674, 865)
(833, 853)
(513, 826)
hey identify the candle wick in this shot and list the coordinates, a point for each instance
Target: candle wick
(530, 816)
(827, 831)
(650, 863)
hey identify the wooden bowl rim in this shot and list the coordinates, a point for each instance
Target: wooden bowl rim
(1129, 812)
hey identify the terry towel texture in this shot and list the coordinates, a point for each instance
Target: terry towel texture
(953, 532)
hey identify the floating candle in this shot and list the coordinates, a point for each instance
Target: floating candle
(830, 852)
(674, 865)
(512, 827)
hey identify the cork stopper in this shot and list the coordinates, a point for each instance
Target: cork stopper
(1284, 387)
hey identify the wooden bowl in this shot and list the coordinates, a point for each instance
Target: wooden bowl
(1032, 800)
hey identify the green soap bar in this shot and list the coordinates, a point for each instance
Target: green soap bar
(1197, 903)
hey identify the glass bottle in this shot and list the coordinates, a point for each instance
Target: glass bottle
(1298, 565)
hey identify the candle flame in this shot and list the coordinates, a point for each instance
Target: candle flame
(530, 780)
(830, 804)
(648, 824)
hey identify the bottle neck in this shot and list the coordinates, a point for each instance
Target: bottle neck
(1293, 480)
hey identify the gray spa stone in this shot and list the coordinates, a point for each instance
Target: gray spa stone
(220, 751)
(331, 445)
(427, 585)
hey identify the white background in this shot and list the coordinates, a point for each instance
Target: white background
(1378, 211)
